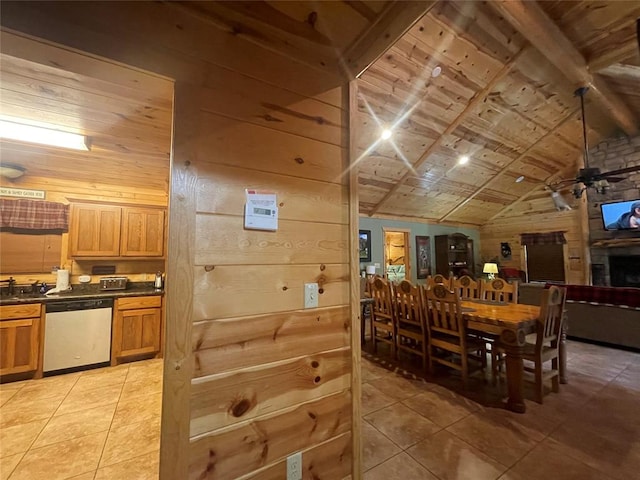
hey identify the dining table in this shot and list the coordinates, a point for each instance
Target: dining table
(510, 323)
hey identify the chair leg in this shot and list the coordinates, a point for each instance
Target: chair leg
(539, 387)
(465, 371)
(555, 380)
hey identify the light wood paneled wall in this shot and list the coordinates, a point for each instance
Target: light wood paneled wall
(245, 117)
(537, 216)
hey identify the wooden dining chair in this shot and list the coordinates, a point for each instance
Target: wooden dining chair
(411, 334)
(438, 278)
(383, 325)
(545, 344)
(499, 290)
(466, 287)
(447, 334)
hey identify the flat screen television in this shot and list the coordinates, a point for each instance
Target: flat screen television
(618, 215)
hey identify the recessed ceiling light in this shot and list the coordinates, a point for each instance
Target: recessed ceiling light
(463, 159)
(436, 72)
(386, 134)
(44, 136)
(520, 178)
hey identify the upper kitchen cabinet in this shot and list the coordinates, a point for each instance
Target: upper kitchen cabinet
(113, 231)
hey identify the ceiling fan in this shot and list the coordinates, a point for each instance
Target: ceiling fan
(591, 177)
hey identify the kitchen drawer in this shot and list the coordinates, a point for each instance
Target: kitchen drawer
(128, 303)
(29, 310)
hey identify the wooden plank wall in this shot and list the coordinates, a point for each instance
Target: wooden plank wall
(536, 216)
(262, 377)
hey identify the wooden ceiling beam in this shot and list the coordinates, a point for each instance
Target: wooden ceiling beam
(396, 19)
(619, 54)
(473, 103)
(496, 177)
(536, 26)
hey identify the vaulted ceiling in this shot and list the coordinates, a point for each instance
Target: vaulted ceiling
(504, 98)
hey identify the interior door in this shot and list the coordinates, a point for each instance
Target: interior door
(396, 255)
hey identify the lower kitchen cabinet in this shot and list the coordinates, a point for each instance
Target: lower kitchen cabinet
(137, 328)
(19, 338)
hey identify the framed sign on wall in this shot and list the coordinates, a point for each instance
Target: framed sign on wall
(423, 256)
(365, 245)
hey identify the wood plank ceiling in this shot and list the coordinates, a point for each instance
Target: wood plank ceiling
(504, 98)
(126, 113)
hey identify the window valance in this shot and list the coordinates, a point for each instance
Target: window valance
(549, 238)
(23, 214)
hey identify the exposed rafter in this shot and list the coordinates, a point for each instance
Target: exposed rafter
(391, 24)
(495, 178)
(534, 24)
(475, 101)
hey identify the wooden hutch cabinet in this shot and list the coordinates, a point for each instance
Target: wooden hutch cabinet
(454, 254)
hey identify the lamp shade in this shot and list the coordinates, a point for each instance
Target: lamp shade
(371, 269)
(490, 268)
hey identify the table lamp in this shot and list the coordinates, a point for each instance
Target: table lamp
(371, 270)
(491, 269)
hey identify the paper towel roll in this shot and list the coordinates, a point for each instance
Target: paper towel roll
(62, 280)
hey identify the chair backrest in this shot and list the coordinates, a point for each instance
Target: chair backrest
(438, 278)
(383, 305)
(551, 316)
(444, 314)
(499, 290)
(409, 303)
(364, 285)
(466, 287)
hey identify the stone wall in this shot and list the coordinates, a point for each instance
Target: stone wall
(615, 153)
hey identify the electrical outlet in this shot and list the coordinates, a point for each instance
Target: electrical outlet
(310, 295)
(294, 466)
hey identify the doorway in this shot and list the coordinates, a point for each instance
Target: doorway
(396, 255)
(545, 263)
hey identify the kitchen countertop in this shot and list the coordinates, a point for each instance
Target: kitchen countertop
(81, 292)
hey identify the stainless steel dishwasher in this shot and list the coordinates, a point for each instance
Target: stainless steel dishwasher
(77, 333)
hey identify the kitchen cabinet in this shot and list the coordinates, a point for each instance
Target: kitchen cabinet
(137, 328)
(115, 231)
(19, 338)
(454, 254)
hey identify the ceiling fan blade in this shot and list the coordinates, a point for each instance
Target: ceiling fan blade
(620, 171)
(614, 179)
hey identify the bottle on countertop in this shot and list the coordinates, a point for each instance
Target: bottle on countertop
(158, 281)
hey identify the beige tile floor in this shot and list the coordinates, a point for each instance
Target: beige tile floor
(104, 424)
(93, 425)
(414, 429)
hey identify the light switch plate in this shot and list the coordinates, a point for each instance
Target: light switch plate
(310, 295)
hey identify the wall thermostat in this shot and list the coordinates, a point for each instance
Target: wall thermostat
(261, 211)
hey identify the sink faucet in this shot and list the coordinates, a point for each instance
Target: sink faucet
(11, 282)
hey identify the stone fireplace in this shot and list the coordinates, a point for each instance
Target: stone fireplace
(615, 256)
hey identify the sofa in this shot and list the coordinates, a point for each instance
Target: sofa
(607, 315)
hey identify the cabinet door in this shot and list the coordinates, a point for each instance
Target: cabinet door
(19, 342)
(94, 230)
(137, 332)
(142, 232)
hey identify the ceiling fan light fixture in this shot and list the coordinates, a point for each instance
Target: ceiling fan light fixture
(23, 132)
(463, 159)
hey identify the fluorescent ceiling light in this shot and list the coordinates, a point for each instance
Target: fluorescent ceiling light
(386, 134)
(463, 159)
(41, 135)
